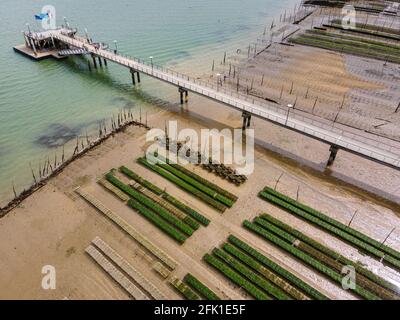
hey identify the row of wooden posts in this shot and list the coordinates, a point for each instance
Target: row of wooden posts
(51, 168)
(234, 72)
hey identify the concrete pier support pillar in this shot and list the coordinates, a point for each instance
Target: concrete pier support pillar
(89, 66)
(94, 61)
(246, 120)
(133, 72)
(133, 78)
(100, 63)
(333, 149)
(182, 92)
(105, 62)
(249, 121)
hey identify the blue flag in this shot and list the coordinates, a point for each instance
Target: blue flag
(41, 16)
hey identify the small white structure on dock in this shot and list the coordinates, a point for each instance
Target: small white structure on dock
(42, 45)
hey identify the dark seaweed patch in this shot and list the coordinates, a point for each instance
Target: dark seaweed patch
(124, 102)
(57, 135)
(182, 54)
(242, 27)
(119, 99)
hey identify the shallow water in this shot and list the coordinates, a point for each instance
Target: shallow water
(45, 104)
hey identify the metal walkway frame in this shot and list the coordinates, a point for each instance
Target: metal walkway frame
(320, 130)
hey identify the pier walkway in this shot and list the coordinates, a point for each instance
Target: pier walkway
(365, 146)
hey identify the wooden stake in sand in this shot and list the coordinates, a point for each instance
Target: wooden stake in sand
(340, 109)
(49, 164)
(352, 218)
(387, 237)
(398, 108)
(44, 169)
(33, 174)
(63, 154)
(277, 181)
(40, 169)
(15, 193)
(315, 104)
(77, 145)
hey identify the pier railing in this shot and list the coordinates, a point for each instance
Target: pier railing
(323, 130)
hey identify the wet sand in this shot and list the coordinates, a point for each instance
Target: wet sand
(54, 226)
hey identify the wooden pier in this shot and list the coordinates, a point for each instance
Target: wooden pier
(42, 45)
(26, 51)
(64, 40)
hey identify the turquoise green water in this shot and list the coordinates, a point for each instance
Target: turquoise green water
(45, 104)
